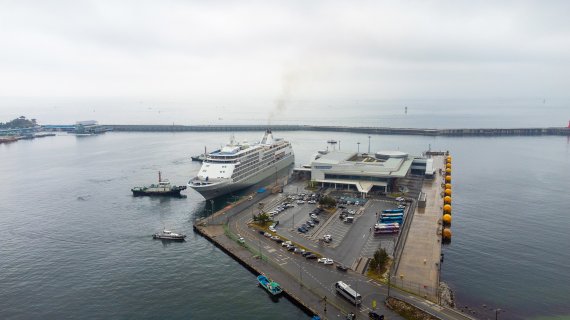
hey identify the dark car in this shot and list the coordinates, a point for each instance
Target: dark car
(301, 229)
(315, 220)
(261, 232)
(291, 248)
(279, 240)
(375, 316)
(341, 267)
(311, 256)
(342, 207)
(306, 253)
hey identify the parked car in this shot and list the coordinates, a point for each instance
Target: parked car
(286, 243)
(341, 267)
(326, 261)
(279, 240)
(341, 207)
(300, 202)
(375, 316)
(400, 199)
(272, 229)
(310, 257)
(291, 248)
(312, 202)
(300, 251)
(327, 238)
(275, 238)
(315, 221)
(310, 223)
(306, 253)
(261, 232)
(267, 234)
(302, 230)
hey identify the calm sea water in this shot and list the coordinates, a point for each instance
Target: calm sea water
(76, 244)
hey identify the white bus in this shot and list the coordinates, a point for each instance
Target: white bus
(349, 293)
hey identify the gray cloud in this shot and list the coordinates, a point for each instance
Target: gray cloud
(228, 51)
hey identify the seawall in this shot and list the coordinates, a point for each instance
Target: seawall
(551, 131)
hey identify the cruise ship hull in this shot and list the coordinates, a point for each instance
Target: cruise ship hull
(216, 190)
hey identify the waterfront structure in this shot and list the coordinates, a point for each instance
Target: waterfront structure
(240, 164)
(363, 172)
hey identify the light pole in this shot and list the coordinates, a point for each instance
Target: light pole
(392, 267)
(338, 145)
(497, 311)
(300, 274)
(358, 143)
(368, 144)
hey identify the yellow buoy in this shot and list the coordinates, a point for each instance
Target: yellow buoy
(448, 159)
(447, 178)
(447, 200)
(447, 192)
(448, 171)
(448, 186)
(447, 208)
(448, 165)
(447, 218)
(446, 233)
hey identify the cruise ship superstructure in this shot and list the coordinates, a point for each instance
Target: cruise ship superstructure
(240, 165)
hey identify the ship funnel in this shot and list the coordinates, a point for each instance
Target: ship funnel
(267, 137)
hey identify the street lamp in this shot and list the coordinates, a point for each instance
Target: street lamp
(358, 143)
(392, 267)
(368, 144)
(497, 311)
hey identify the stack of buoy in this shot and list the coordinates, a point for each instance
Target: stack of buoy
(446, 233)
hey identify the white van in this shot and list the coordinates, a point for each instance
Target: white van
(349, 219)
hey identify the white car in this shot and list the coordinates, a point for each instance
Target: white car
(267, 234)
(272, 229)
(300, 202)
(325, 261)
(327, 238)
(312, 202)
(400, 199)
(286, 243)
(314, 216)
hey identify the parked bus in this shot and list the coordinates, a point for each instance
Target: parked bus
(346, 291)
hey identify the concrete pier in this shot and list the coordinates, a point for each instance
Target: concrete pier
(418, 268)
(308, 284)
(365, 130)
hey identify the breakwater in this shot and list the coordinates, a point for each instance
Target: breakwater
(367, 130)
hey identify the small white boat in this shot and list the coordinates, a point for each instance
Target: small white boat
(169, 235)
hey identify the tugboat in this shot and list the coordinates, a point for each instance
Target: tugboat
(169, 235)
(271, 286)
(163, 188)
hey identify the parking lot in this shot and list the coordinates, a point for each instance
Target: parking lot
(347, 241)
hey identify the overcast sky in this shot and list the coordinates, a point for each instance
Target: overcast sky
(244, 51)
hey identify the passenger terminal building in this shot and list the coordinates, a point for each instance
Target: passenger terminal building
(365, 173)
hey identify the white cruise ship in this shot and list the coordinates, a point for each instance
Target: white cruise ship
(240, 165)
